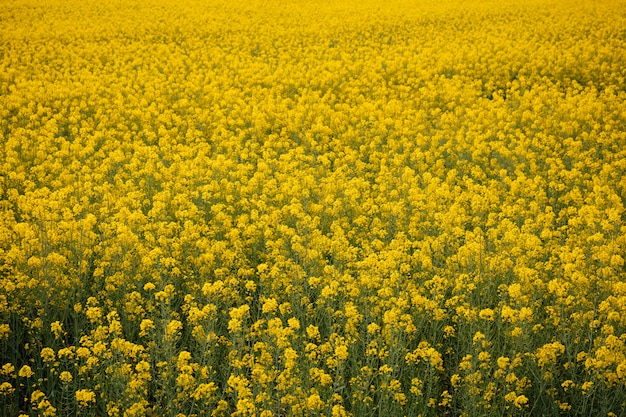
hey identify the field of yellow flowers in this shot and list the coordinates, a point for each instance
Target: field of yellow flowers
(302, 208)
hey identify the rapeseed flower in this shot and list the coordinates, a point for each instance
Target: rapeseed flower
(326, 208)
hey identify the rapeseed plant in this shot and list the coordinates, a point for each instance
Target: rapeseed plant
(346, 209)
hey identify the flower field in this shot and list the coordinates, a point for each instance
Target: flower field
(302, 208)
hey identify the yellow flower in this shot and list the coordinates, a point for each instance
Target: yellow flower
(142, 367)
(172, 329)
(237, 315)
(145, 326)
(42, 404)
(446, 399)
(486, 314)
(205, 391)
(85, 397)
(294, 323)
(520, 401)
(525, 314)
(313, 332)
(314, 402)
(47, 354)
(511, 397)
(449, 331)
(291, 357)
(455, 380)
(548, 353)
(478, 336)
(6, 388)
(8, 369)
(136, 409)
(515, 290)
(66, 377)
(25, 372)
(94, 314)
(83, 352)
(186, 381)
(466, 363)
(259, 203)
(373, 328)
(338, 411)
(484, 356)
(586, 386)
(341, 352)
(57, 329)
(503, 362)
(509, 314)
(5, 329)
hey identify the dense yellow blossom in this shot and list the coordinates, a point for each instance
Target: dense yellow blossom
(25, 372)
(85, 397)
(66, 377)
(344, 208)
(6, 388)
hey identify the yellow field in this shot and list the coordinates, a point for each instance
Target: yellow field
(300, 208)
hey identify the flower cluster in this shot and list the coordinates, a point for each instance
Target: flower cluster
(348, 208)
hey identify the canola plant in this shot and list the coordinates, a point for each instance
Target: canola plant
(300, 208)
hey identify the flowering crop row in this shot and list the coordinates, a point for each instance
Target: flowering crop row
(289, 208)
